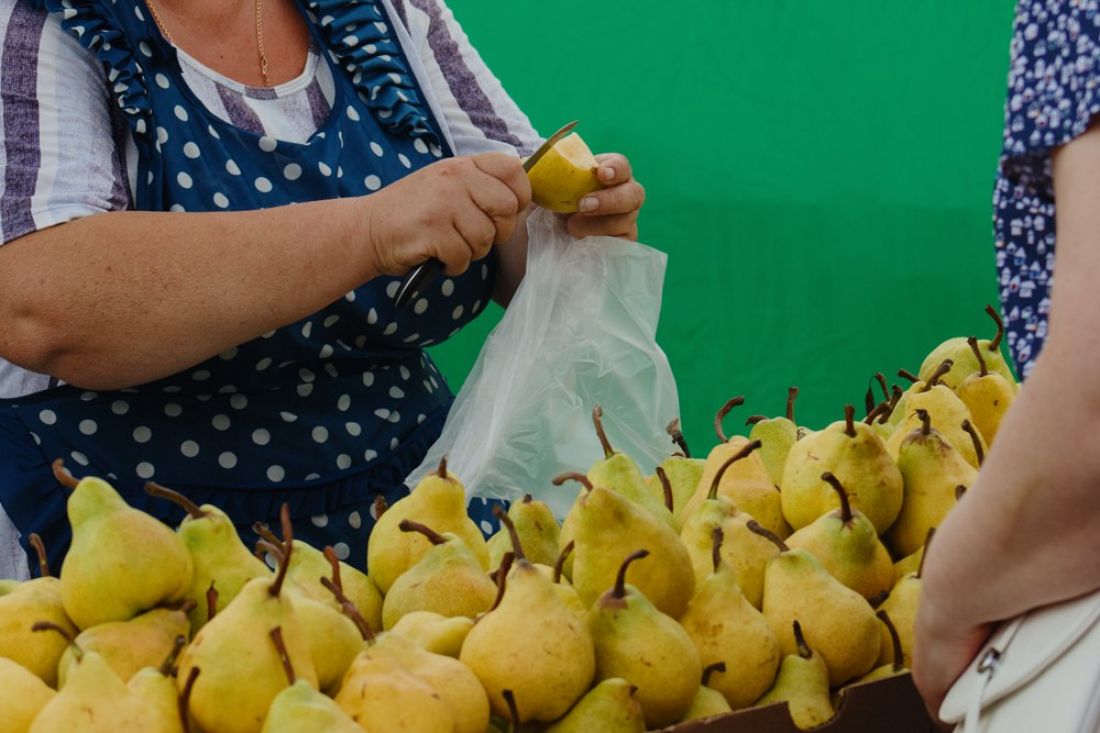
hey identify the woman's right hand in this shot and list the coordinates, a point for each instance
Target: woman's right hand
(453, 210)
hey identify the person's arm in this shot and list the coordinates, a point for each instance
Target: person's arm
(1027, 534)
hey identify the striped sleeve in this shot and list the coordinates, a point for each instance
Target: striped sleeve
(479, 112)
(58, 156)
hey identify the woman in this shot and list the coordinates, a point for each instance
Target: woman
(206, 208)
(1028, 533)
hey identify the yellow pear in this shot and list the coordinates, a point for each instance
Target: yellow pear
(382, 697)
(157, 687)
(987, 395)
(964, 363)
(680, 472)
(609, 707)
(128, 646)
(802, 683)
(708, 702)
(901, 606)
(538, 531)
(438, 501)
(777, 435)
(302, 709)
(948, 412)
(618, 472)
(887, 669)
(24, 695)
(434, 632)
(564, 175)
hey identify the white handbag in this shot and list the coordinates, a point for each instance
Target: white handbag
(1039, 672)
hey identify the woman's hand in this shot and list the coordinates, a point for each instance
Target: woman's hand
(612, 211)
(454, 210)
(942, 652)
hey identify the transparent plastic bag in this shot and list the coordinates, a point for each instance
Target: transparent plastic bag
(580, 331)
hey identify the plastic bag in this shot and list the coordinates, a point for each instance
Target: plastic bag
(580, 331)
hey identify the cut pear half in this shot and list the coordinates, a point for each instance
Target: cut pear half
(564, 175)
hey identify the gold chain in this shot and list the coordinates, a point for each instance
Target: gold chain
(259, 35)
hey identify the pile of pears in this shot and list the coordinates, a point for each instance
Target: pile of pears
(781, 569)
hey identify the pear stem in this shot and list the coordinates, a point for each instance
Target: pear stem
(711, 669)
(875, 412)
(926, 422)
(152, 488)
(927, 543)
(559, 566)
(894, 399)
(869, 400)
(973, 343)
(276, 635)
(517, 548)
(804, 650)
(288, 549)
(677, 435)
(995, 344)
(743, 453)
(620, 579)
(849, 421)
(937, 375)
(976, 439)
(899, 657)
(502, 577)
(718, 536)
(527, 498)
(442, 470)
(349, 609)
(185, 699)
(756, 528)
(960, 490)
(334, 563)
(721, 415)
(753, 419)
(40, 549)
(666, 487)
(211, 601)
(597, 420)
(513, 711)
(262, 530)
(434, 537)
(792, 395)
(51, 626)
(170, 661)
(906, 374)
(380, 506)
(266, 548)
(62, 475)
(879, 598)
(845, 505)
(573, 476)
(881, 379)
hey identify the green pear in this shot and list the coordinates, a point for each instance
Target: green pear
(538, 531)
(531, 643)
(948, 412)
(776, 435)
(238, 661)
(219, 557)
(609, 707)
(726, 628)
(897, 664)
(121, 561)
(434, 632)
(618, 472)
(708, 702)
(448, 580)
(839, 623)
(845, 543)
(380, 695)
(634, 640)
(606, 523)
(802, 683)
(128, 646)
(932, 471)
(987, 395)
(25, 694)
(964, 363)
(855, 454)
(302, 709)
(438, 501)
(681, 473)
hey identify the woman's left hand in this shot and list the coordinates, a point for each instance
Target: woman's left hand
(942, 651)
(612, 211)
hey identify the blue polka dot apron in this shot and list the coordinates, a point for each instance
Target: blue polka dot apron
(327, 414)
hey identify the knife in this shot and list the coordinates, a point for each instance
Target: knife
(425, 273)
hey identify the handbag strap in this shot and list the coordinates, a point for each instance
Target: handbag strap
(987, 667)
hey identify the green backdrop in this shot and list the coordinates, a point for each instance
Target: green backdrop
(819, 172)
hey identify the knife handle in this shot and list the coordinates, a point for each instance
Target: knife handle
(418, 280)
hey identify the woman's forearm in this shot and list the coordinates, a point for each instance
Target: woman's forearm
(119, 299)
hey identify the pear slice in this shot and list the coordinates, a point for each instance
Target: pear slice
(564, 175)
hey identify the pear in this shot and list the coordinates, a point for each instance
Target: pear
(618, 472)
(219, 557)
(606, 523)
(564, 175)
(802, 683)
(855, 454)
(157, 686)
(901, 606)
(434, 632)
(681, 473)
(745, 551)
(747, 483)
(25, 694)
(438, 501)
(94, 701)
(839, 623)
(7, 585)
(609, 707)
(237, 659)
(987, 395)
(894, 667)
(911, 563)
(380, 695)
(633, 639)
(530, 642)
(777, 435)
(964, 363)
(708, 702)
(845, 543)
(448, 580)
(725, 627)
(300, 708)
(932, 471)
(35, 600)
(128, 646)
(121, 561)
(948, 412)
(538, 530)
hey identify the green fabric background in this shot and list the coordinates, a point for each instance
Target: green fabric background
(820, 174)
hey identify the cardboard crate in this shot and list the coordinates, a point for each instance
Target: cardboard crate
(887, 706)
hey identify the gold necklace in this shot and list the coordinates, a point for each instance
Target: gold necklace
(259, 35)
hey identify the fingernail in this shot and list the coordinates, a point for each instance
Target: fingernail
(589, 203)
(607, 173)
